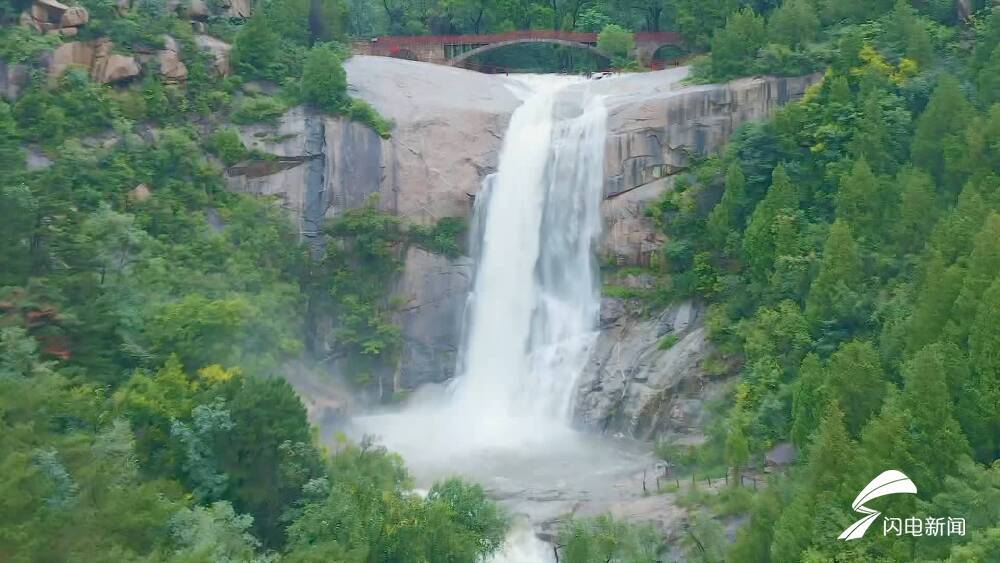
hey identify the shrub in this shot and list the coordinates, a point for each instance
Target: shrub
(363, 112)
(444, 237)
(616, 41)
(667, 342)
(324, 82)
(226, 144)
(261, 109)
(19, 44)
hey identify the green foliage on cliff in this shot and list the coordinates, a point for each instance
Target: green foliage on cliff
(848, 253)
(146, 318)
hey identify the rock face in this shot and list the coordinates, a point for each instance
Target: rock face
(13, 79)
(219, 49)
(448, 129)
(111, 67)
(645, 377)
(97, 56)
(171, 66)
(448, 125)
(431, 289)
(654, 130)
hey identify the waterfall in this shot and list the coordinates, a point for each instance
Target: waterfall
(534, 306)
(531, 317)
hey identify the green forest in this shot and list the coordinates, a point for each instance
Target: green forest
(848, 248)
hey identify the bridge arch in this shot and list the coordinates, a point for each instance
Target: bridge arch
(457, 61)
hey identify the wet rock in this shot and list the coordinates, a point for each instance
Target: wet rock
(433, 291)
(643, 387)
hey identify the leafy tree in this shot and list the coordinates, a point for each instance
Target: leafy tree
(604, 538)
(698, 20)
(794, 23)
(737, 450)
(735, 46)
(256, 48)
(616, 41)
(324, 82)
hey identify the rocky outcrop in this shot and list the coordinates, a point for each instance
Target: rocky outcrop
(96, 56)
(448, 125)
(219, 50)
(112, 67)
(169, 61)
(645, 378)
(448, 129)
(432, 292)
(68, 54)
(51, 16)
(13, 79)
(653, 133)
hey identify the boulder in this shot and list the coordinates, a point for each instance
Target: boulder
(655, 125)
(140, 193)
(123, 6)
(197, 10)
(74, 17)
(111, 67)
(48, 11)
(72, 53)
(219, 49)
(171, 66)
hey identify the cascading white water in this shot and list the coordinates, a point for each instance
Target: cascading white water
(535, 301)
(531, 317)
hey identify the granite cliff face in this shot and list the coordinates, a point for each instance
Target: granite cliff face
(448, 129)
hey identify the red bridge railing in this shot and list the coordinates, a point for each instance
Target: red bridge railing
(389, 42)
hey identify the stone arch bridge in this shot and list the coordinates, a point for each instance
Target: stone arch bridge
(455, 50)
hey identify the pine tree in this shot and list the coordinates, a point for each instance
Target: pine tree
(946, 114)
(809, 400)
(984, 358)
(858, 199)
(728, 215)
(934, 303)
(935, 436)
(758, 240)
(984, 264)
(834, 296)
(856, 382)
(915, 213)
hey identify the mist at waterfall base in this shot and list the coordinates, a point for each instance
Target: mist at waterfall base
(531, 317)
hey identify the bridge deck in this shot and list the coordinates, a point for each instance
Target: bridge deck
(485, 39)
